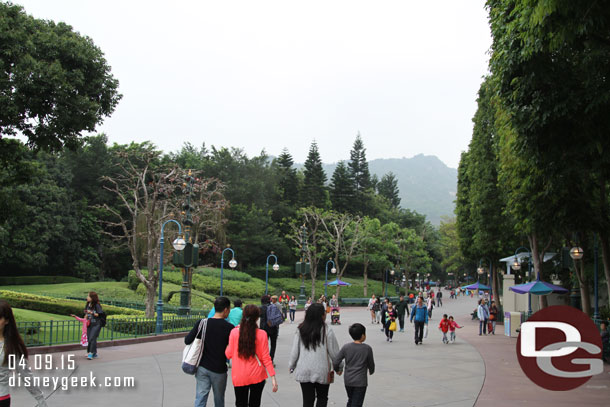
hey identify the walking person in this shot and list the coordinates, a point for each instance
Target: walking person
(439, 298)
(430, 306)
(268, 322)
(384, 309)
(308, 303)
(370, 307)
(358, 359)
(212, 371)
(452, 326)
(493, 316)
(401, 308)
(313, 349)
(236, 313)
(483, 315)
(249, 351)
(12, 345)
(93, 312)
(443, 326)
(377, 310)
(390, 322)
(283, 300)
(292, 304)
(419, 315)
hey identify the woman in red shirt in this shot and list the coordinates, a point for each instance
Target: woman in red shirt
(249, 349)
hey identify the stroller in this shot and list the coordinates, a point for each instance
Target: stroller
(335, 316)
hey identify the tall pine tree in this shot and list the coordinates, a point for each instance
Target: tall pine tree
(359, 171)
(342, 188)
(388, 188)
(314, 188)
(288, 180)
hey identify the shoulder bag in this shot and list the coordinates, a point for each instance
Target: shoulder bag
(191, 355)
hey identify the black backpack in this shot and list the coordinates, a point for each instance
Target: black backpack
(102, 318)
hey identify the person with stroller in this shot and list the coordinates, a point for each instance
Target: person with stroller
(335, 314)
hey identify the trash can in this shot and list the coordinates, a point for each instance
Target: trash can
(512, 323)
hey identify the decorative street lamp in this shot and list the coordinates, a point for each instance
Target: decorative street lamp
(517, 266)
(276, 267)
(179, 245)
(386, 281)
(490, 280)
(577, 254)
(333, 271)
(232, 264)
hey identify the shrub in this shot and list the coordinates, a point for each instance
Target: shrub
(56, 305)
(31, 280)
(227, 274)
(145, 326)
(211, 285)
(132, 280)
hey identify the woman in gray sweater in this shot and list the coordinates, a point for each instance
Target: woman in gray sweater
(313, 349)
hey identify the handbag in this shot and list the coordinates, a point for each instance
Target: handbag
(425, 331)
(191, 355)
(331, 372)
(392, 326)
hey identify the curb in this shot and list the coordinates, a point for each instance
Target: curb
(116, 342)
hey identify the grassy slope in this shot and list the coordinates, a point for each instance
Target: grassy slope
(24, 315)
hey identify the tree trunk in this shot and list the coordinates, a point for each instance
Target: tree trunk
(150, 300)
(603, 237)
(366, 279)
(538, 258)
(496, 285)
(313, 289)
(584, 287)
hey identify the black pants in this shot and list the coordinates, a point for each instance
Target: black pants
(419, 331)
(313, 391)
(401, 321)
(272, 334)
(439, 301)
(93, 331)
(249, 396)
(355, 396)
(388, 333)
(292, 313)
(5, 402)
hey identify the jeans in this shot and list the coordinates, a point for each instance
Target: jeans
(292, 313)
(439, 301)
(311, 391)
(419, 331)
(483, 326)
(355, 396)
(207, 380)
(93, 331)
(445, 337)
(249, 396)
(377, 316)
(493, 326)
(452, 335)
(401, 321)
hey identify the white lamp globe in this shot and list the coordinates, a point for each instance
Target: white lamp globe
(233, 263)
(179, 244)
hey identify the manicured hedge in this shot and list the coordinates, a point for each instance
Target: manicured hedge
(227, 274)
(146, 326)
(57, 305)
(211, 285)
(31, 280)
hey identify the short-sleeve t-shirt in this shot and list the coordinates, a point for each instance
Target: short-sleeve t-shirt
(215, 343)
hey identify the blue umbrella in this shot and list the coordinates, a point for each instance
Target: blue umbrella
(337, 282)
(477, 287)
(538, 287)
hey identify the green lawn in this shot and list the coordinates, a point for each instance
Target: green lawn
(25, 315)
(291, 286)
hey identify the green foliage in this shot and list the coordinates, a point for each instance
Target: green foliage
(228, 274)
(56, 305)
(146, 326)
(361, 177)
(314, 190)
(211, 285)
(55, 83)
(132, 280)
(25, 315)
(30, 280)
(342, 191)
(388, 188)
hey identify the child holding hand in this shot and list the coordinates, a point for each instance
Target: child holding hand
(452, 326)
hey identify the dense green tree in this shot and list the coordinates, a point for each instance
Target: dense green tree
(342, 193)
(359, 171)
(54, 83)
(288, 179)
(388, 188)
(314, 189)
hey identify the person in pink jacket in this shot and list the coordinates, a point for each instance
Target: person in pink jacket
(249, 351)
(452, 326)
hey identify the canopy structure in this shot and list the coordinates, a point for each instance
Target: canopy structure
(477, 287)
(337, 282)
(538, 287)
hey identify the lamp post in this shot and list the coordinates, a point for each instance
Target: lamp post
(232, 264)
(386, 281)
(517, 266)
(276, 267)
(333, 271)
(577, 253)
(179, 244)
(491, 276)
(595, 288)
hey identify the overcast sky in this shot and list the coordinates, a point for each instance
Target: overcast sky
(271, 74)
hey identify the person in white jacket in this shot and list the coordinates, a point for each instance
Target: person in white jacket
(313, 349)
(483, 314)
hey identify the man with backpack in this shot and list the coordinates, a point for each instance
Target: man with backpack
(270, 321)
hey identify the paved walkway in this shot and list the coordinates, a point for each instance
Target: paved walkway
(479, 371)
